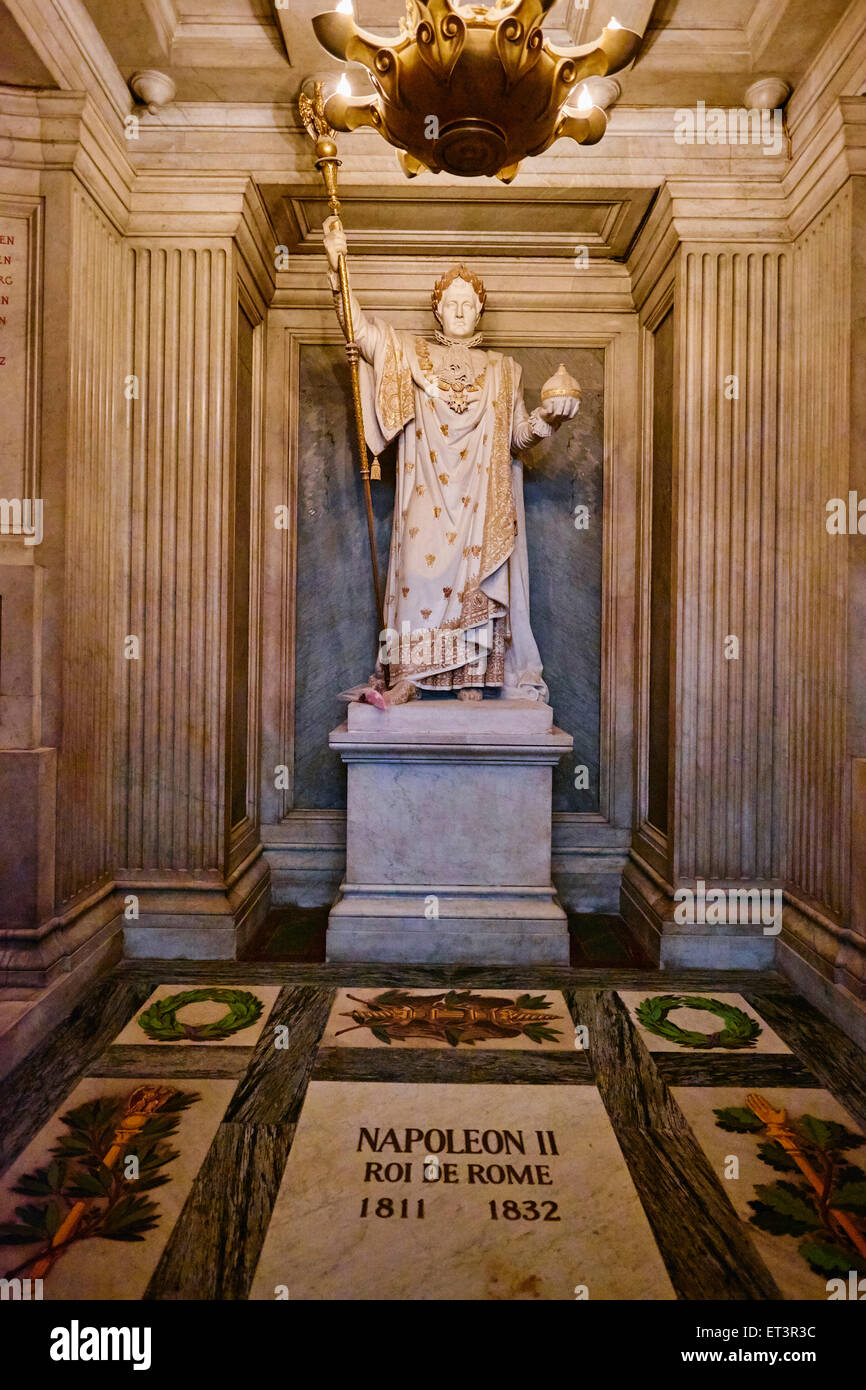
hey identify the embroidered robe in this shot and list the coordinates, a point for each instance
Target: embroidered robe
(457, 594)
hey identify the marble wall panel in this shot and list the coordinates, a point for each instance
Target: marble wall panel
(92, 553)
(660, 574)
(814, 580)
(335, 611)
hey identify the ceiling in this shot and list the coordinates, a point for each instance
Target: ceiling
(20, 66)
(249, 50)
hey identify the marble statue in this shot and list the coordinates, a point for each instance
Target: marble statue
(456, 604)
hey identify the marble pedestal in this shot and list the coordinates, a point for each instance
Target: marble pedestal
(449, 813)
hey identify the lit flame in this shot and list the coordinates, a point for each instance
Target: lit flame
(343, 88)
(345, 7)
(584, 100)
(611, 24)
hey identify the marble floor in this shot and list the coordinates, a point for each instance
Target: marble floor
(277, 1130)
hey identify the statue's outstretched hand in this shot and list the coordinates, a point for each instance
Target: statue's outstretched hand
(558, 409)
(335, 241)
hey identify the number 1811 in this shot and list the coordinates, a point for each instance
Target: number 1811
(386, 1207)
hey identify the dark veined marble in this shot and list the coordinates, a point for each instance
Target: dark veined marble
(198, 1059)
(837, 1062)
(273, 1088)
(214, 1247)
(471, 1067)
(704, 1244)
(31, 1093)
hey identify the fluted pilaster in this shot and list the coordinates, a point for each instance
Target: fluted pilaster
(92, 553)
(171, 807)
(733, 320)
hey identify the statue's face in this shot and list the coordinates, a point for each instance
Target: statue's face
(459, 310)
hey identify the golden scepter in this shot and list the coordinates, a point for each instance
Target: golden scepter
(313, 116)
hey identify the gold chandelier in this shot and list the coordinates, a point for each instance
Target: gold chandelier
(469, 89)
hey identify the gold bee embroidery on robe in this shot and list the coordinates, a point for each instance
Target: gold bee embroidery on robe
(418, 434)
(436, 511)
(446, 592)
(444, 477)
(420, 488)
(405, 593)
(444, 429)
(464, 452)
(432, 455)
(410, 467)
(466, 501)
(425, 612)
(452, 536)
(431, 559)
(413, 531)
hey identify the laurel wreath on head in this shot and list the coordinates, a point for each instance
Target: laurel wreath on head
(739, 1031)
(161, 1023)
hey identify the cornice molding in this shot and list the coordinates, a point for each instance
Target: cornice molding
(202, 205)
(46, 131)
(554, 286)
(256, 243)
(654, 248)
(835, 151)
(639, 149)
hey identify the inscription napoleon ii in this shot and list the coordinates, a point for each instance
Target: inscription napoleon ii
(431, 1169)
